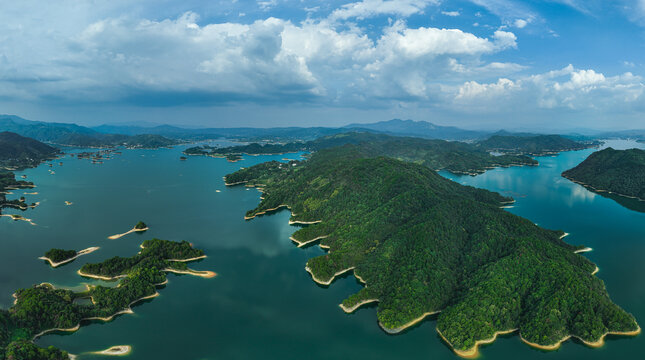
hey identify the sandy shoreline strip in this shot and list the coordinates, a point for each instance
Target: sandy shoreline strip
(204, 274)
(584, 250)
(188, 260)
(18, 218)
(304, 243)
(298, 222)
(350, 310)
(594, 344)
(564, 235)
(407, 325)
(117, 236)
(266, 211)
(117, 350)
(321, 282)
(80, 253)
(100, 277)
(473, 352)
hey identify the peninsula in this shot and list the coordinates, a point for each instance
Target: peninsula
(58, 257)
(139, 227)
(618, 172)
(424, 245)
(43, 308)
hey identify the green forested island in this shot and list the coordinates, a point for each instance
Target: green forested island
(58, 255)
(537, 145)
(621, 172)
(456, 157)
(423, 244)
(43, 308)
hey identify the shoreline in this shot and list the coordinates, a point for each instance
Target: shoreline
(205, 274)
(601, 190)
(594, 344)
(100, 277)
(564, 235)
(117, 350)
(304, 243)
(331, 279)
(128, 310)
(133, 230)
(78, 254)
(298, 222)
(584, 250)
(266, 211)
(408, 324)
(188, 260)
(349, 310)
(473, 352)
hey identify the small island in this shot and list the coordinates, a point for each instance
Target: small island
(139, 227)
(43, 308)
(58, 257)
(117, 350)
(423, 245)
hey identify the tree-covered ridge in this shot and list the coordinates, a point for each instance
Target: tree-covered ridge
(532, 145)
(618, 171)
(424, 244)
(154, 254)
(42, 308)
(456, 157)
(20, 152)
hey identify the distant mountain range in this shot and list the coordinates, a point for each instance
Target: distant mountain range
(166, 135)
(398, 127)
(76, 135)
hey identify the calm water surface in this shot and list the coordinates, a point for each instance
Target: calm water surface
(263, 304)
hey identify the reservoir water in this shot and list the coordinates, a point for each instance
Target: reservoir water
(263, 304)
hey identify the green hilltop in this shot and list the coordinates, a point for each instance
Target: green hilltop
(423, 244)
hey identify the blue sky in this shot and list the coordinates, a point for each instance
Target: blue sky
(486, 64)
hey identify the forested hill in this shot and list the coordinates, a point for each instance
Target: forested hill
(457, 157)
(20, 151)
(424, 244)
(532, 145)
(618, 171)
(75, 135)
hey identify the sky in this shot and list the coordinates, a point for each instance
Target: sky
(479, 64)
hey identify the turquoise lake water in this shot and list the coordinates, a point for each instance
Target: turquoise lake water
(262, 304)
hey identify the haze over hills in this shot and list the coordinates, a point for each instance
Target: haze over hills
(76, 135)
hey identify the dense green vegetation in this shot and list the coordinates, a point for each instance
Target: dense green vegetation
(43, 307)
(58, 255)
(424, 244)
(619, 171)
(532, 145)
(140, 225)
(456, 157)
(20, 152)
